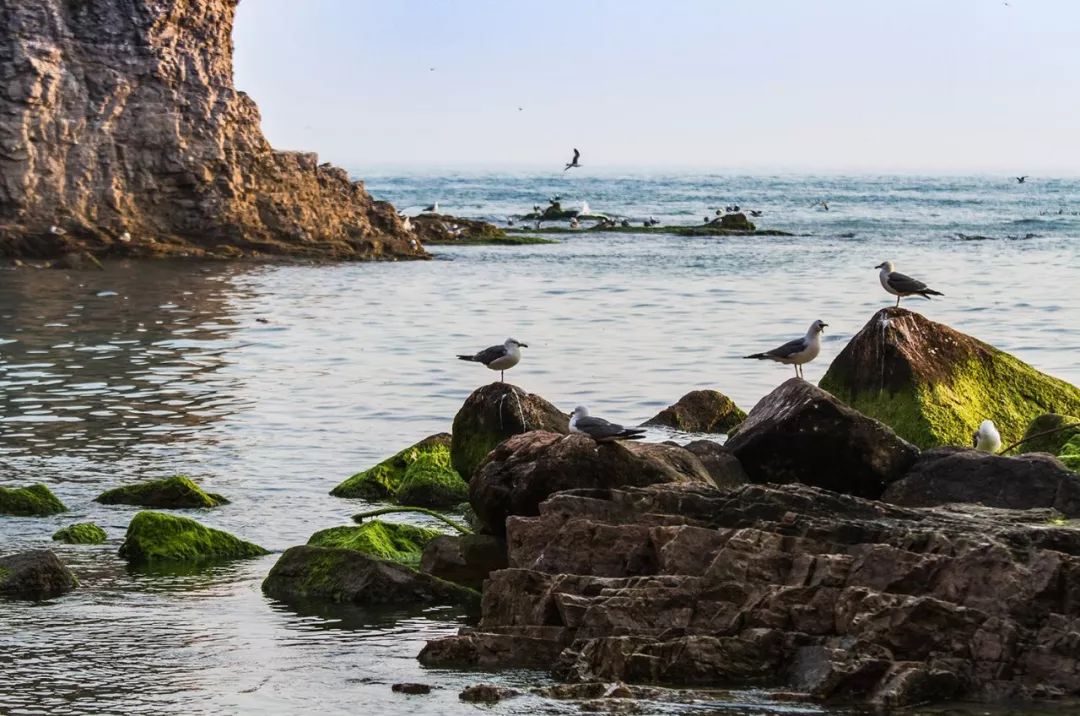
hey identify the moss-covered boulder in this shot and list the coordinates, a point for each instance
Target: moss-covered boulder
(494, 413)
(346, 576)
(419, 476)
(934, 385)
(158, 538)
(80, 533)
(30, 501)
(37, 574)
(175, 492)
(384, 540)
(700, 411)
(1049, 433)
(1070, 453)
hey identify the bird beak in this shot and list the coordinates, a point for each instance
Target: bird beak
(878, 266)
(523, 345)
(824, 326)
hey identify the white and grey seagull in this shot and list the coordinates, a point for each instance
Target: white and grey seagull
(903, 286)
(987, 438)
(434, 208)
(573, 163)
(599, 429)
(501, 358)
(797, 352)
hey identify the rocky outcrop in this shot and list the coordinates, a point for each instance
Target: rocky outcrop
(789, 587)
(723, 467)
(464, 559)
(735, 222)
(30, 501)
(444, 229)
(80, 533)
(934, 385)
(945, 475)
(346, 576)
(700, 411)
(35, 575)
(121, 133)
(799, 433)
(177, 492)
(493, 413)
(523, 471)
(1048, 433)
(419, 476)
(155, 538)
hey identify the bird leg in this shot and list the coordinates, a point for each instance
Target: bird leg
(502, 376)
(898, 302)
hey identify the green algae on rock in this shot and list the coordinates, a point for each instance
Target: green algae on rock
(700, 411)
(1070, 453)
(392, 541)
(30, 501)
(934, 385)
(80, 533)
(155, 538)
(170, 493)
(1049, 433)
(420, 475)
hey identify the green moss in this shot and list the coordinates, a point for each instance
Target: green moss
(172, 492)
(1070, 453)
(1049, 433)
(30, 501)
(384, 540)
(80, 533)
(418, 475)
(154, 537)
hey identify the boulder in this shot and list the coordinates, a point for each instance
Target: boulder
(934, 385)
(464, 559)
(419, 476)
(1070, 453)
(492, 414)
(80, 533)
(393, 541)
(945, 475)
(723, 467)
(487, 693)
(37, 574)
(411, 688)
(523, 471)
(799, 433)
(700, 411)
(157, 538)
(736, 222)
(1048, 433)
(30, 501)
(175, 492)
(433, 228)
(347, 576)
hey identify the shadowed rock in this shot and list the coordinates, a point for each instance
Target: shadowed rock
(934, 385)
(799, 433)
(700, 411)
(946, 475)
(1048, 433)
(523, 471)
(463, 559)
(723, 467)
(35, 575)
(492, 414)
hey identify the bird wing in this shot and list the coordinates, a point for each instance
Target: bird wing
(576, 155)
(905, 284)
(489, 354)
(598, 427)
(790, 348)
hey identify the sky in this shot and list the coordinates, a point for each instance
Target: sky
(861, 86)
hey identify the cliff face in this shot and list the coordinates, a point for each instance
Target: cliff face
(121, 133)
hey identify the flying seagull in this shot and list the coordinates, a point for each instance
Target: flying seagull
(799, 351)
(755, 213)
(573, 162)
(500, 358)
(903, 286)
(823, 204)
(987, 438)
(434, 208)
(599, 429)
(1021, 180)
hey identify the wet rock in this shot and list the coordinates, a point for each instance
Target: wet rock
(700, 411)
(934, 385)
(723, 467)
(157, 538)
(35, 575)
(143, 147)
(464, 559)
(80, 533)
(350, 577)
(946, 475)
(1048, 433)
(486, 693)
(409, 688)
(445, 229)
(170, 493)
(393, 541)
(420, 476)
(524, 470)
(736, 222)
(30, 501)
(494, 413)
(799, 433)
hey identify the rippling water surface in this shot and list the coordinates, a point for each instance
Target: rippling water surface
(270, 384)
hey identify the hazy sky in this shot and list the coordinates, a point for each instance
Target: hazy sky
(741, 85)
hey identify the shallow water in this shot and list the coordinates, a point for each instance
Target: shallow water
(150, 369)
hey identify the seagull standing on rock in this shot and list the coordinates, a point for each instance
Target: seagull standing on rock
(799, 351)
(903, 286)
(599, 429)
(987, 438)
(501, 358)
(434, 208)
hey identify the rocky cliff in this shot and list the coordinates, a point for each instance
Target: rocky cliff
(121, 133)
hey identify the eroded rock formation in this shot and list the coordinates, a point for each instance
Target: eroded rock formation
(121, 133)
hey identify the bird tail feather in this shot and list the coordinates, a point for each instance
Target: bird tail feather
(759, 356)
(469, 358)
(931, 292)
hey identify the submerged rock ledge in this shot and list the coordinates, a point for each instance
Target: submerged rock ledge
(121, 133)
